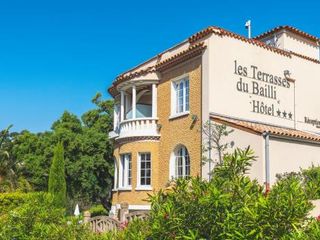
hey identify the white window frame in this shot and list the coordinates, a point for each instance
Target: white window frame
(173, 163)
(174, 104)
(125, 159)
(139, 186)
(116, 185)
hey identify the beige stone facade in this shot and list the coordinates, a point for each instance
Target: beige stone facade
(179, 130)
(265, 89)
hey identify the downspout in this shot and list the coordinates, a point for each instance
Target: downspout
(210, 159)
(266, 136)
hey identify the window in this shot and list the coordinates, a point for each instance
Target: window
(180, 96)
(115, 185)
(180, 163)
(125, 171)
(144, 169)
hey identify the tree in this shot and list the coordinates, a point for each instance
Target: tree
(35, 152)
(9, 165)
(88, 154)
(57, 178)
(213, 140)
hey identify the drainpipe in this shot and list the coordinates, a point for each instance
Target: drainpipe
(210, 159)
(267, 160)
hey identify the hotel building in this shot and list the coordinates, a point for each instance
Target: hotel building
(266, 89)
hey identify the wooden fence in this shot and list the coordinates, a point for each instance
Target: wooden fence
(100, 224)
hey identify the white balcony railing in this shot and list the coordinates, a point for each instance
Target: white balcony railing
(139, 127)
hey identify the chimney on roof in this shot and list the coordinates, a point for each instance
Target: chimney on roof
(248, 26)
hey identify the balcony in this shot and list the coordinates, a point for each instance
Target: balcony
(141, 127)
(135, 113)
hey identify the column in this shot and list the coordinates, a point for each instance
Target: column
(115, 120)
(124, 210)
(122, 106)
(134, 101)
(154, 100)
(86, 216)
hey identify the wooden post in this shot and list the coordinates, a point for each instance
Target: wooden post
(86, 216)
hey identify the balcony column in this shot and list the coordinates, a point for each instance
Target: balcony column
(115, 117)
(134, 101)
(154, 100)
(122, 106)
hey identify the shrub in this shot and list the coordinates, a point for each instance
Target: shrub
(98, 210)
(136, 230)
(37, 217)
(230, 206)
(311, 178)
(57, 181)
(9, 201)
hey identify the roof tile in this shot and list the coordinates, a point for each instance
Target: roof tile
(261, 128)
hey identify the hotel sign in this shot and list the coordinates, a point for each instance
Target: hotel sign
(313, 122)
(263, 89)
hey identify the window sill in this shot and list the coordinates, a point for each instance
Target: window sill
(124, 189)
(179, 115)
(144, 188)
(114, 190)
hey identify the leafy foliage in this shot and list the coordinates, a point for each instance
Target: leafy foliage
(10, 166)
(309, 178)
(57, 179)
(213, 140)
(136, 230)
(37, 217)
(9, 201)
(98, 210)
(230, 206)
(87, 150)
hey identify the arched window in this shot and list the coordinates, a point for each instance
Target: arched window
(180, 163)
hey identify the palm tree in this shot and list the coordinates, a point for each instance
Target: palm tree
(8, 166)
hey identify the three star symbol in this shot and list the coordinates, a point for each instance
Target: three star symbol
(284, 114)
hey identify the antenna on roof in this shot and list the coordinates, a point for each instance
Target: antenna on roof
(248, 26)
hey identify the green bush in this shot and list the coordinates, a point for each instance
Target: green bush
(9, 201)
(230, 206)
(310, 232)
(98, 210)
(136, 230)
(37, 218)
(311, 178)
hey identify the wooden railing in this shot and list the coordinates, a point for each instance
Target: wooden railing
(143, 215)
(102, 224)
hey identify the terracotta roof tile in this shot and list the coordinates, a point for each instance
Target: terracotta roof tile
(192, 51)
(223, 32)
(196, 48)
(260, 128)
(130, 75)
(291, 29)
(305, 57)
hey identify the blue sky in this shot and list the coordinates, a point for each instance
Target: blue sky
(55, 55)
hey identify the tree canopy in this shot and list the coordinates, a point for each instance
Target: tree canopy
(87, 151)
